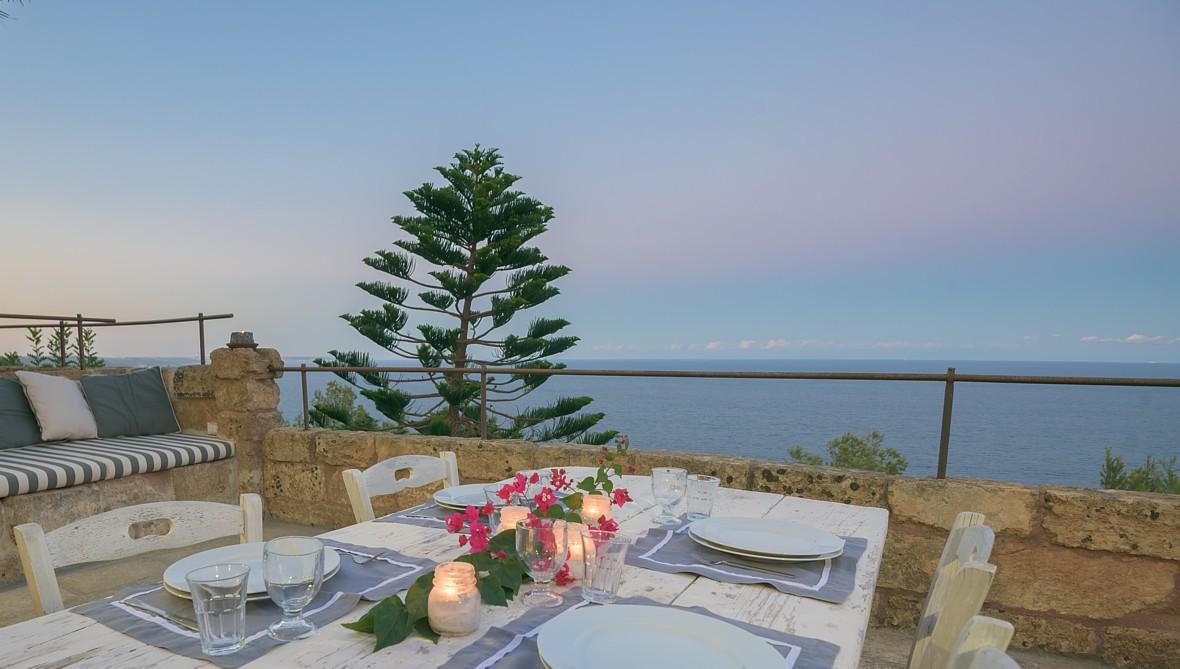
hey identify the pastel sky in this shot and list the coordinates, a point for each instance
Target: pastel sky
(940, 180)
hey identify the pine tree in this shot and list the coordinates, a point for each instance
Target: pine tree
(474, 233)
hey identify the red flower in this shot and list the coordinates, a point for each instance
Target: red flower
(534, 478)
(472, 514)
(545, 499)
(488, 509)
(462, 539)
(500, 555)
(607, 524)
(506, 492)
(479, 537)
(560, 480)
(621, 496)
(454, 523)
(563, 576)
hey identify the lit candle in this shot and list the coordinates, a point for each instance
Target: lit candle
(595, 507)
(574, 539)
(511, 515)
(241, 339)
(453, 605)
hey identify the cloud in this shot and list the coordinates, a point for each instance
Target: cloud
(746, 344)
(713, 346)
(776, 343)
(903, 343)
(607, 347)
(1131, 339)
(676, 346)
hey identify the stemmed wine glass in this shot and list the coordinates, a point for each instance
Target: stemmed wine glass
(294, 571)
(668, 485)
(542, 544)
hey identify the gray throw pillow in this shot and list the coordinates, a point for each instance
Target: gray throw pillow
(129, 405)
(18, 425)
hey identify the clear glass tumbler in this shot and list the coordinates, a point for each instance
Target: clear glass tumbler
(667, 486)
(294, 570)
(219, 600)
(702, 490)
(604, 552)
(542, 545)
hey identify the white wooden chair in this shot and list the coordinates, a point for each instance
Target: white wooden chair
(957, 591)
(382, 479)
(982, 634)
(108, 536)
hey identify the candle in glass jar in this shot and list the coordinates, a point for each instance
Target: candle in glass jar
(574, 537)
(595, 507)
(511, 515)
(453, 605)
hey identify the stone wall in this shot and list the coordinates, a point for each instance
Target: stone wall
(1080, 571)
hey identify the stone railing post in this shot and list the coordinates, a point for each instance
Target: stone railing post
(247, 400)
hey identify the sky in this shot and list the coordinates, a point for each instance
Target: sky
(780, 180)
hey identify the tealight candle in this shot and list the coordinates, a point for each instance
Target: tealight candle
(595, 507)
(453, 605)
(511, 515)
(242, 339)
(574, 538)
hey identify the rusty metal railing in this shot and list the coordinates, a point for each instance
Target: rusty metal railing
(949, 379)
(81, 322)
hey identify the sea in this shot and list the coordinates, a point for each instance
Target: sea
(1022, 433)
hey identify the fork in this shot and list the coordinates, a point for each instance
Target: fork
(365, 559)
(738, 565)
(186, 623)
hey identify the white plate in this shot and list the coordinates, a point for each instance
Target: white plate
(188, 595)
(461, 496)
(764, 536)
(624, 636)
(764, 558)
(250, 554)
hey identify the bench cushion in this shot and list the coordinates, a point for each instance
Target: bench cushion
(131, 404)
(18, 425)
(64, 464)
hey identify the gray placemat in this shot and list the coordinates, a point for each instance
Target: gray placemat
(385, 575)
(673, 551)
(423, 515)
(514, 646)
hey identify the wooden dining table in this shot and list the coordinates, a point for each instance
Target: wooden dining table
(66, 639)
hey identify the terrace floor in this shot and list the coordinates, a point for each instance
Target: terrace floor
(884, 648)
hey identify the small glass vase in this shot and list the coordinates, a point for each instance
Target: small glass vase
(454, 604)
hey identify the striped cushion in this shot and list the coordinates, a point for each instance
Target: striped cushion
(68, 463)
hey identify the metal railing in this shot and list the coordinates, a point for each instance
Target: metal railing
(949, 379)
(81, 323)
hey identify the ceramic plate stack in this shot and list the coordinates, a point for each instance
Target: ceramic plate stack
(624, 636)
(459, 497)
(250, 554)
(766, 539)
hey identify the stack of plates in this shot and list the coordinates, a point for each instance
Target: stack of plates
(459, 497)
(624, 636)
(766, 539)
(250, 554)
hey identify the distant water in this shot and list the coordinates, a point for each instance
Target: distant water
(1024, 433)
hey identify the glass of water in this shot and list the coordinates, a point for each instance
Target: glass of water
(604, 552)
(702, 489)
(219, 600)
(667, 486)
(294, 570)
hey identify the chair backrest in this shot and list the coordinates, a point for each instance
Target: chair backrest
(957, 592)
(382, 479)
(984, 658)
(979, 633)
(113, 535)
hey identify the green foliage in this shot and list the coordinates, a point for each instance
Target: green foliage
(335, 407)
(849, 451)
(473, 239)
(11, 359)
(49, 353)
(38, 355)
(1152, 476)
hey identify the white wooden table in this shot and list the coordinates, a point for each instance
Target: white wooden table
(66, 639)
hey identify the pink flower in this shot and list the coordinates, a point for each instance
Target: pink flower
(500, 555)
(454, 522)
(607, 524)
(563, 576)
(488, 509)
(621, 496)
(545, 499)
(534, 478)
(462, 539)
(479, 537)
(560, 480)
(472, 514)
(506, 492)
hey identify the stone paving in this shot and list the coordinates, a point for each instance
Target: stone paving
(884, 648)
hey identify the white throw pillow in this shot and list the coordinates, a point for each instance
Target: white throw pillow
(59, 405)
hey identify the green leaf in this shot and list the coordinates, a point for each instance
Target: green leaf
(555, 511)
(587, 484)
(491, 592)
(573, 502)
(504, 541)
(608, 486)
(422, 626)
(364, 624)
(391, 622)
(510, 573)
(618, 469)
(417, 595)
(572, 517)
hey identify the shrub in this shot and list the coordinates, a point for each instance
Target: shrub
(1152, 476)
(849, 451)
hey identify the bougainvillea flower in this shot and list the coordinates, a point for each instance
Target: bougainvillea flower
(563, 577)
(607, 524)
(621, 496)
(454, 522)
(559, 480)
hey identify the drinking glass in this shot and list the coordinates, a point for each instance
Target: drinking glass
(219, 600)
(702, 489)
(604, 552)
(294, 570)
(542, 545)
(667, 486)
(491, 493)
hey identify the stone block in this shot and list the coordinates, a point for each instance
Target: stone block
(242, 363)
(208, 481)
(847, 486)
(132, 490)
(733, 471)
(345, 449)
(1101, 586)
(570, 455)
(897, 609)
(1058, 635)
(296, 481)
(190, 381)
(290, 444)
(387, 504)
(246, 394)
(1009, 507)
(494, 459)
(1116, 521)
(318, 514)
(1142, 648)
(194, 415)
(911, 556)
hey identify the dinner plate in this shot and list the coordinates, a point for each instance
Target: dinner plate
(632, 636)
(250, 554)
(765, 536)
(762, 557)
(459, 497)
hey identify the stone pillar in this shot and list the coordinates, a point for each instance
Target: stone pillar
(247, 400)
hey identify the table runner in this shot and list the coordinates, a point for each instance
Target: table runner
(673, 551)
(339, 595)
(514, 646)
(429, 514)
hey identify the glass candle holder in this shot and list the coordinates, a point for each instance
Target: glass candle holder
(594, 507)
(574, 557)
(453, 605)
(510, 516)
